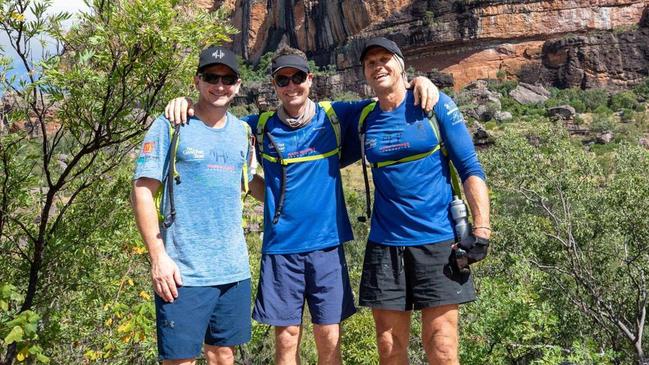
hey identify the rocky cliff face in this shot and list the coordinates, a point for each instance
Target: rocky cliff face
(468, 39)
(613, 60)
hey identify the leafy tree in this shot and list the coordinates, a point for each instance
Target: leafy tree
(581, 221)
(83, 106)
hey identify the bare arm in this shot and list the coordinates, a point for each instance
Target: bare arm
(257, 188)
(477, 195)
(164, 271)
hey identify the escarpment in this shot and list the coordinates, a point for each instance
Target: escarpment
(583, 43)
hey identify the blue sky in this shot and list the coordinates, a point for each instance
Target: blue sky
(71, 6)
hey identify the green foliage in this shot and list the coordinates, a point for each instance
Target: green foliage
(581, 217)
(243, 110)
(20, 329)
(68, 244)
(602, 123)
(582, 100)
(346, 96)
(260, 73)
(625, 100)
(429, 18)
(625, 28)
(642, 89)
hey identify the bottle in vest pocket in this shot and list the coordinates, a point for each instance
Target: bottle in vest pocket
(460, 219)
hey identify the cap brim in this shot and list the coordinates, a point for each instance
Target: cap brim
(300, 68)
(219, 63)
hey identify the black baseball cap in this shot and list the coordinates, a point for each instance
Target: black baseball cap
(217, 55)
(382, 42)
(289, 60)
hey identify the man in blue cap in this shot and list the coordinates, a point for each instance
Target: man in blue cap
(305, 219)
(199, 260)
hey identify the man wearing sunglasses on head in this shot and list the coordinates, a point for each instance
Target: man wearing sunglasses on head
(305, 218)
(199, 260)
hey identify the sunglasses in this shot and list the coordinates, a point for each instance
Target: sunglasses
(214, 79)
(297, 78)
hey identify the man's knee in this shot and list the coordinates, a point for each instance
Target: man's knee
(389, 345)
(219, 355)
(327, 335)
(287, 337)
(440, 336)
(442, 347)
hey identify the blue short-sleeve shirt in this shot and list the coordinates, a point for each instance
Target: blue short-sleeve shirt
(206, 239)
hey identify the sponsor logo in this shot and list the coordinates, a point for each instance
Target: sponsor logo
(220, 167)
(301, 152)
(395, 147)
(370, 143)
(194, 153)
(280, 146)
(457, 118)
(147, 148)
(218, 54)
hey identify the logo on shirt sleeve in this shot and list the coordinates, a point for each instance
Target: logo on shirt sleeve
(147, 148)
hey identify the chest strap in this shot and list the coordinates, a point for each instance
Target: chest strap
(261, 132)
(432, 119)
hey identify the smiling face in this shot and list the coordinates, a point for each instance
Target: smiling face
(382, 70)
(292, 96)
(218, 95)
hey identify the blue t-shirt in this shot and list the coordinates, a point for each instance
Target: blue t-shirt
(411, 199)
(314, 215)
(206, 240)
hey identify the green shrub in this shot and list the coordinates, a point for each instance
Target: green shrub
(602, 109)
(582, 101)
(346, 96)
(502, 86)
(642, 89)
(602, 123)
(243, 110)
(625, 100)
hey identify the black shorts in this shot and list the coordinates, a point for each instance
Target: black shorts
(412, 277)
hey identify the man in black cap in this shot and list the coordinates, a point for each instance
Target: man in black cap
(199, 261)
(412, 258)
(305, 219)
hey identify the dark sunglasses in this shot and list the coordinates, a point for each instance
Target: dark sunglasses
(297, 78)
(214, 79)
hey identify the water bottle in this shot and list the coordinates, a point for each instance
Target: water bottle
(460, 219)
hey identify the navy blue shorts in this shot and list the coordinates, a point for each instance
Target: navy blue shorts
(318, 277)
(215, 315)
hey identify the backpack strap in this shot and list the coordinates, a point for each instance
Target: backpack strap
(361, 135)
(364, 113)
(247, 161)
(166, 204)
(455, 177)
(333, 120)
(261, 131)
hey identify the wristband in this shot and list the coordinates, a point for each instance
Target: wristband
(483, 227)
